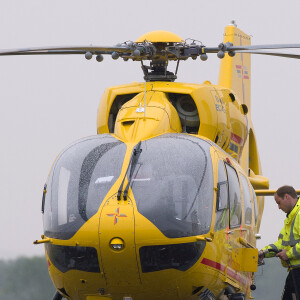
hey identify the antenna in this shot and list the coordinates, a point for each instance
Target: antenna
(145, 98)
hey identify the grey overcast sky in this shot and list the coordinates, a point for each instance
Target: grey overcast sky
(49, 102)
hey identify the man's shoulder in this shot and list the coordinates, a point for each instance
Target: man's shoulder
(295, 212)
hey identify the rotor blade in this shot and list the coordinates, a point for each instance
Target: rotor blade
(44, 52)
(287, 55)
(67, 50)
(251, 47)
(258, 47)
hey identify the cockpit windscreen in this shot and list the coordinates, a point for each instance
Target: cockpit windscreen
(173, 184)
(81, 177)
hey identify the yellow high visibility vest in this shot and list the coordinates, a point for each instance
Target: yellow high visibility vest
(289, 238)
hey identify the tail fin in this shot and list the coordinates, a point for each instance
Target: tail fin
(235, 72)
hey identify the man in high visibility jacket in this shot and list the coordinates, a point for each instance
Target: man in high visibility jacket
(288, 240)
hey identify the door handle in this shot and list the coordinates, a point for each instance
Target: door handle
(245, 243)
(203, 238)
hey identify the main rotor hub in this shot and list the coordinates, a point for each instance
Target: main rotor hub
(160, 39)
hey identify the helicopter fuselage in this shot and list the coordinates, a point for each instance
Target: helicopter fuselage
(151, 207)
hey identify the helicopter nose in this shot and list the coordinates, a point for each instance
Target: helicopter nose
(117, 245)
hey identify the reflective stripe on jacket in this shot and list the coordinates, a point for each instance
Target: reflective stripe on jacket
(289, 238)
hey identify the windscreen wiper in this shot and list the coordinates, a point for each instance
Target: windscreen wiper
(132, 164)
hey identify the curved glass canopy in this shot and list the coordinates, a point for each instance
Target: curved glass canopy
(173, 184)
(81, 177)
(171, 181)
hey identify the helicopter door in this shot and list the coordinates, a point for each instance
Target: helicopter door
(243, 259)
(117, 245)
(222, 235)
(235, 216)
(228, 217)
(248, 212)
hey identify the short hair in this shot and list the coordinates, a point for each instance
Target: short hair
(286, 189)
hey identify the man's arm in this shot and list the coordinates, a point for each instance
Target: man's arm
(275, 246)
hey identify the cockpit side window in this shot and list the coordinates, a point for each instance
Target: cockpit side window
(222, 199)
(247, 200)
(79, 181)
(235, 214)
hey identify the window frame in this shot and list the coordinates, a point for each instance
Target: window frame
(224, 209)
(229, 198)
(251, 201)
(219, 184)
(255, 204)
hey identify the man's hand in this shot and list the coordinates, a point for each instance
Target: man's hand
(261, 257)
(282, 255)
(261, 254)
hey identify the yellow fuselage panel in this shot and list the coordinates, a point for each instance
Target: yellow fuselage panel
(136, 122)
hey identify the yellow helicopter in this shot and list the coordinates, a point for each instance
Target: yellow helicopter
(166, 201)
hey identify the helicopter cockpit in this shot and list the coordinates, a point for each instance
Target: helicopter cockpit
(171, 182)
